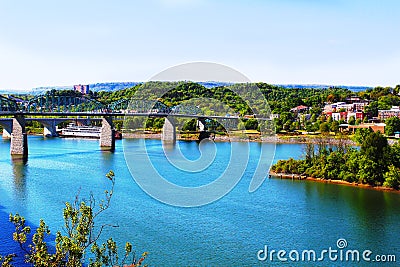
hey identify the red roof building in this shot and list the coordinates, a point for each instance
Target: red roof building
(299, 109)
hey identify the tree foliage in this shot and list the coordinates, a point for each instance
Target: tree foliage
(392, 125)
(392, 177)
(280, 100)
(376, 163)
(81, 235)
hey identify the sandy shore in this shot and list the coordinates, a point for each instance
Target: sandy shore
(340, 182)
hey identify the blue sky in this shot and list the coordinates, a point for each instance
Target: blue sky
(47, 42)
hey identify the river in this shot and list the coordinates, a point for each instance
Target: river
(281, 214)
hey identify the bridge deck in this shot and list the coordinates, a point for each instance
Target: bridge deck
(119, 114)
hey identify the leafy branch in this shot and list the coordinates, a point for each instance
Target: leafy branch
(81, 234)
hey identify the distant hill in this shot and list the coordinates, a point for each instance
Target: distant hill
(212, 84)
(115, 86)
(95, 87)
(110, 86)
(41, 90)
(324, 86)
(7, 92)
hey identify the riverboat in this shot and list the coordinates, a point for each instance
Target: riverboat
(73, 130)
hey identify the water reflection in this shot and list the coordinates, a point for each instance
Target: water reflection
(363, 213)
(19, 166)
(108, 159)
(168, 146)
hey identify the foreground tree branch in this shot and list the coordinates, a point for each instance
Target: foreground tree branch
(81, 233)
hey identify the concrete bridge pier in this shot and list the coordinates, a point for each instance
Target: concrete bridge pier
(49, 129)
(19, 138)
(107, 136)
(169, 130)
(7, 128)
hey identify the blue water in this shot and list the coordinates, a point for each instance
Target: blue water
(281, 214)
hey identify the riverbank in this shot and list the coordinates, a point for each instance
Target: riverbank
(278, 139)
(245, 137)
(330, 181)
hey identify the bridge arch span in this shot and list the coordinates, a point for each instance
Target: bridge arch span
(7, 104)
(62, 103)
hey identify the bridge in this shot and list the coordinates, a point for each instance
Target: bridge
(51, 110)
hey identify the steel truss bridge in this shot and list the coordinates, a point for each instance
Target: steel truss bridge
(70, 105)
(51, 109)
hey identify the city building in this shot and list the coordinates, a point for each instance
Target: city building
(353, 104)
(360, 106)
(374, 126)
(337, 116)
(83, 89)
(353, 99)
(388, 113)
(357, 115)
(299, 109)
(345, 115)
(338, 107)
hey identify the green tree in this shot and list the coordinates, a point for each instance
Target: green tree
(308, 126)
(278, 125)
(158, 123)
(81, 235)
(361, 134)
(352, 120)
(294, 126)
(396, 90)
(287, 125)
(309, 151)
(335, 126)
(351, 166)
(324, 128)
(251, 124)
(376, 150)
(368, 171)
(315, 126)
(149, 123)
(395, 154)
(392, 126)
(372, 109)
(190, 125)
(392, 177)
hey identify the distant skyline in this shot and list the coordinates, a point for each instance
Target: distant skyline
(334, 42)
